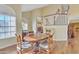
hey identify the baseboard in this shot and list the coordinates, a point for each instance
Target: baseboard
(7, 45)
(60, 39)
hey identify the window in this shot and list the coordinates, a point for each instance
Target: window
(7, 26)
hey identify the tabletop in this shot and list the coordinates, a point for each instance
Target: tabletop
(36, 37)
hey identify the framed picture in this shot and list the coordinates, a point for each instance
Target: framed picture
(48, 21)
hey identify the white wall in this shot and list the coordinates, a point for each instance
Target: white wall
(60, 32)
(73, 19)
(7, 42)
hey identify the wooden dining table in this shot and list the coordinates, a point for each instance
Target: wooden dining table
(35, 40)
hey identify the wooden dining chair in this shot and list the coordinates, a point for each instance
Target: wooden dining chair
(18, 37)
(22, 45)
(47, 45)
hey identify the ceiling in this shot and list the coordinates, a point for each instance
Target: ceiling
(29, 7)
(25, 7)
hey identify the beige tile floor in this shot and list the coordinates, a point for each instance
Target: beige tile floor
(60, 47)
(9, 50)
(13, 50)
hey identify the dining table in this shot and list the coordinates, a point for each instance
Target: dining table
(35, 40)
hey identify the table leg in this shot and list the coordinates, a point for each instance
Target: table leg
(36, 48)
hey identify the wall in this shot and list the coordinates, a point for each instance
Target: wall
(51, 9)
(74, 12)
(31, 15)
(28, 15)
(60, 32)
(7, 42)
(10, 41)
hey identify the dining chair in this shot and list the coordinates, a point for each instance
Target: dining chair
(47, 45)
(22, 46)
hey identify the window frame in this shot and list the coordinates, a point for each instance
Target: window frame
(8, 26)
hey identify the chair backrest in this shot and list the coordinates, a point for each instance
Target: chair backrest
(19, 38)
(31, 33)
(50, 44)
(19, 42)
(24, 34)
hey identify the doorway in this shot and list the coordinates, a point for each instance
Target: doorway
(73, 37)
